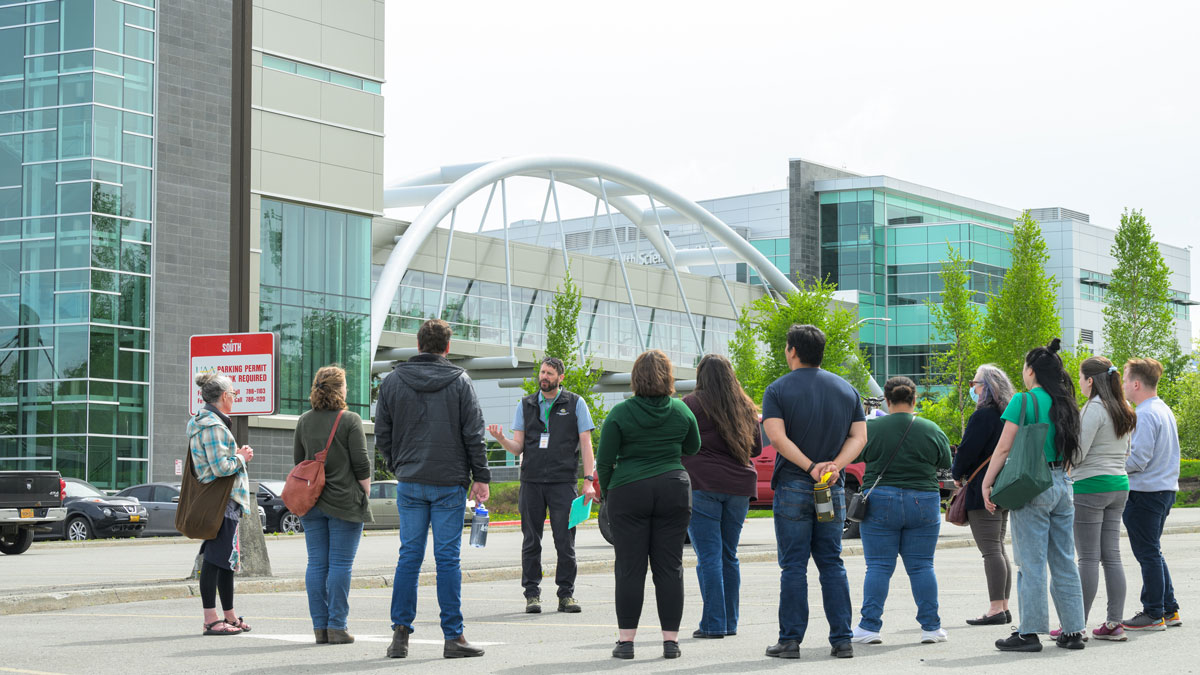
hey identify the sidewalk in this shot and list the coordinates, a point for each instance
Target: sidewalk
(63, 575)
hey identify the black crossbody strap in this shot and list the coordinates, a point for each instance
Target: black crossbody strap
(894, 453)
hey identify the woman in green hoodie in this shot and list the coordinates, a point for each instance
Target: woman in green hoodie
(649, 505)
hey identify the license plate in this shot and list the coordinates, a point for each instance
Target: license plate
(135, 519)
(26, 513)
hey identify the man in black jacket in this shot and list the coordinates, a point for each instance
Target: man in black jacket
(429, 428)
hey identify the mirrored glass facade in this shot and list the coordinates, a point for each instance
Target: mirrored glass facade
(76, 221)
(315, 295)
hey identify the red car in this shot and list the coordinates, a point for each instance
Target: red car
(764, 464)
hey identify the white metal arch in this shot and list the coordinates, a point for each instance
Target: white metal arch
(441, 192)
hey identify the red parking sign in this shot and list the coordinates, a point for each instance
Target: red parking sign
(247, 359)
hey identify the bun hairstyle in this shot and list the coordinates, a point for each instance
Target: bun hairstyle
(900, 389)
(1051, 375)
(213, 385)
(327, 386)
(1106, 385)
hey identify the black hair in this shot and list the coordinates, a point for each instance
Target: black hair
(900, 389)
(1052, 376)
(808, 342)
(555, 363)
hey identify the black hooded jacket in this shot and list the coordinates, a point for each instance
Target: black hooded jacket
(428, 425)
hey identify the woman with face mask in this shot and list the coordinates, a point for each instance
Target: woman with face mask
(991, 391)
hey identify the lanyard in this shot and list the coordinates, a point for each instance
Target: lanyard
(549, 408)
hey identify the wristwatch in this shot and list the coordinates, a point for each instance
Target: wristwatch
(591, 477)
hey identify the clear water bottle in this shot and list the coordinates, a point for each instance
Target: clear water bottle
(479, 526)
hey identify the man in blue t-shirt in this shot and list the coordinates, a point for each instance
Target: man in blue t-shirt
(816, 423)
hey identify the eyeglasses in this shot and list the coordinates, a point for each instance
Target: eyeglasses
(972, 383)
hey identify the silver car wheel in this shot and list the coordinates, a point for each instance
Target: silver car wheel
(78, 530)
(290, 523)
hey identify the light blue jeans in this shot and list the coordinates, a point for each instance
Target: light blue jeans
(1043, 533)
(332, 544)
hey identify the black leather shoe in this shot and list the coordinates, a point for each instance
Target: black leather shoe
(671, 649)
(784, 649)
(623, 650)
(1020, 643)
(1007, 616)
(701, 635)
(459, 648)
(399, 647)
(843, 651)
(997, 619)
(1072, 641)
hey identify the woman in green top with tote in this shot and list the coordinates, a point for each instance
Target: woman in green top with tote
(649, 496)
(1043, 529)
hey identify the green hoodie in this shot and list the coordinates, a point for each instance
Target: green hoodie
(644, 437)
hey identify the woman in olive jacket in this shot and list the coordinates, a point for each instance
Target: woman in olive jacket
(333, 528)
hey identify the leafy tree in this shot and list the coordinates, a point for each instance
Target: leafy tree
(1024, 314)
(1071, 362)
(757, 347)
(1182, 393)
(942, 411)
(1138, 320)
(955, 322)
(562, 341)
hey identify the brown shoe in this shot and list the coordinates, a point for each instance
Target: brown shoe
(459, 648)
(399, 647)
(339, 637)
(322, 635)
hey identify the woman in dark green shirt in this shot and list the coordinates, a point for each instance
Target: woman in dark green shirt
(333, 528)
(649, 496)
(903, 454)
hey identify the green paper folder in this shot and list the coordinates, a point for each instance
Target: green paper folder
(580, 511)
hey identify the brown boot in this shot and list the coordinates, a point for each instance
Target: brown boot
(339, 637)
(399, 647)
(322, 635)
(459, 648)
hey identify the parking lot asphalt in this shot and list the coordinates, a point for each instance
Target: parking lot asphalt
(164, 636)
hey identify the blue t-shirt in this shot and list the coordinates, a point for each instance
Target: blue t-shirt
(583, 417)
(817, 409)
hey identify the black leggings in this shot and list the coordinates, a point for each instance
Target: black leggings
(212, 580)
(649, 521)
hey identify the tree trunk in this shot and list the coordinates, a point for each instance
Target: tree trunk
(255, 560)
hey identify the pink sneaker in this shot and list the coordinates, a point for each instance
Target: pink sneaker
(1111, 631)
(1058, 631)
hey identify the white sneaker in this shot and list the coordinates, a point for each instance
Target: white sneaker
(865, 637)
(929, 637)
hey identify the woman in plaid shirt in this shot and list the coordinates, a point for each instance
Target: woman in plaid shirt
(215, 455)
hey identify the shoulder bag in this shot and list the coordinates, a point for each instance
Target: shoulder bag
(956, 512)
(856, 510)
(1025, 473)
(201, 505)
(306, 480)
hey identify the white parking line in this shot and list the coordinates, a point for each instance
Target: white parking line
(308, 637)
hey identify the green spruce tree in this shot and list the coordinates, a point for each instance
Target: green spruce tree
(1138, 319)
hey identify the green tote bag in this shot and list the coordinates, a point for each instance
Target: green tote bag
(1026, 474)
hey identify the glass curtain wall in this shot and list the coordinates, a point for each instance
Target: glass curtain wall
(76, 210)
(890, 247)
(315, 278)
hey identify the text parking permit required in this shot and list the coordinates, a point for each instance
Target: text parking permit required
(247, 359)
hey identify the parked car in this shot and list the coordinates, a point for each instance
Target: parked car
(276, 517)
(383, 507)
(93, 514)
(30, 502)
(161, 501)
(764, 464)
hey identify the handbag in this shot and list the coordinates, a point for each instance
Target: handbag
(1025, 474)
(956, 512)
(201, 506)
(306, 480)
(856, 510)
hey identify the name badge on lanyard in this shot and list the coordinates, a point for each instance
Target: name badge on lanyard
(544, 441)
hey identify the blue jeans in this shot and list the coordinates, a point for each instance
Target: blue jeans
(715, 529)
(905, 523)
(422, 506)
(332, 544)
(1145, 515)
(800, 537)
(1043, 533)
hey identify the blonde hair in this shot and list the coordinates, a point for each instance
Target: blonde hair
(327, 389)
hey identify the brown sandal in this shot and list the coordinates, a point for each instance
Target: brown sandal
(209, 628)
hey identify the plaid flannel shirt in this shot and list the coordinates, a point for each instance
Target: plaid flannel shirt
(214, 455)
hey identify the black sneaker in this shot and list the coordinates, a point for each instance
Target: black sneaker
(1143, 621)
(623, 650)
(1020, 643)
(843, 651)
(1070, 640)
(671, 649)
(533, 605)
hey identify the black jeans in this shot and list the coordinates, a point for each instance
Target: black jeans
(533, 502)
(649, 521)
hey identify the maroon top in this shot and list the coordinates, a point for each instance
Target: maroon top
(714, 468)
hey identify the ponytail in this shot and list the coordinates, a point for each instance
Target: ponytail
(1106, 385)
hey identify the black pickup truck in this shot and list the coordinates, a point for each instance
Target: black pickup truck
(30, 501)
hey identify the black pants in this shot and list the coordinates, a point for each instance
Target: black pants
(649, 520)
(533, 502)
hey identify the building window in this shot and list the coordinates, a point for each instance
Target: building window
(322, 74)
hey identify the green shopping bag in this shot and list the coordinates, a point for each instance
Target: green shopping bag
(1026, 474)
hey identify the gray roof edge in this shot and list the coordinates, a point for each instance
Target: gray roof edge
(897, 185)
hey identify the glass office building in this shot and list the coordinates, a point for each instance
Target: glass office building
(76, 228)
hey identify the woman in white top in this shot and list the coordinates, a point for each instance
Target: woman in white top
(1101, 487)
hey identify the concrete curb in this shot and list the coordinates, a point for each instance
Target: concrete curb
(73, 599)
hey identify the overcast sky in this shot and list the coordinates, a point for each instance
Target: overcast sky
(1087, 105)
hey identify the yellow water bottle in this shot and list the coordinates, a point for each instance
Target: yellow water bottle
(823, 499)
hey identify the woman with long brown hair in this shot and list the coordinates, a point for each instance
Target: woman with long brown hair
(723, 482)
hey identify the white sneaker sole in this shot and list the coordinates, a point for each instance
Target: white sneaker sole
(867, 640)
(934, 639)
(1112, 638)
